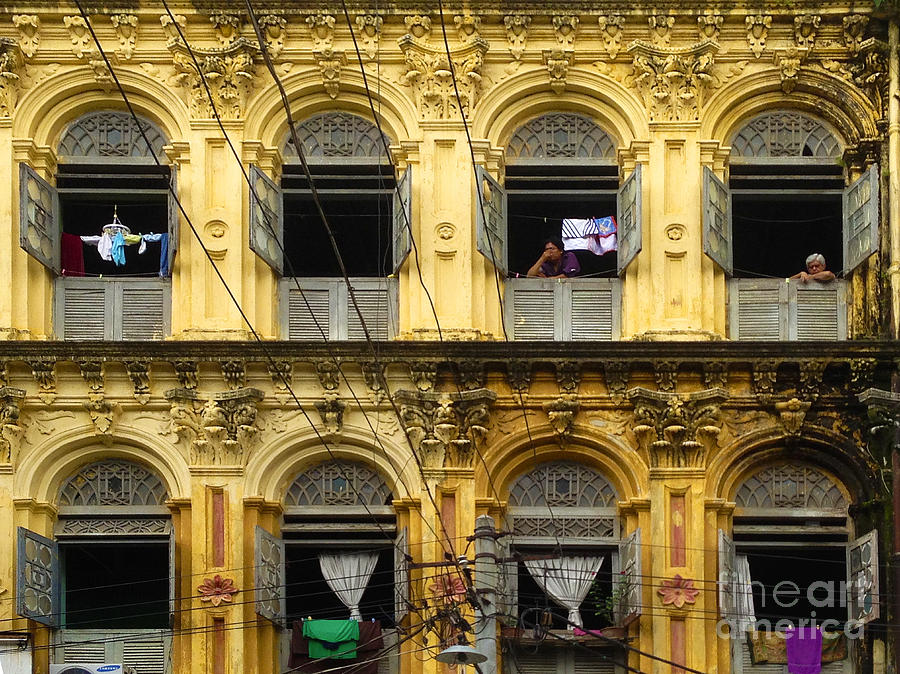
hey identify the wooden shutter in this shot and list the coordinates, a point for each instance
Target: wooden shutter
(717, 220)
(39, 230)
(83, 307)
(144, 310)
(727, 578)
(269, 577)
(402, 219)
(532, 312)
(375, 309)
(490, 219)
(266, 219)
(629, 219)
(591, 315)
(758, 309)
(37, 578)
(862, 579)
(630, 577)
(820, 311)
(309, 313)
(174, 216)
(861, 219)
(401, 575)
(147, 654)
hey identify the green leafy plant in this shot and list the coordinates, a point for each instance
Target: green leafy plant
(607, 605)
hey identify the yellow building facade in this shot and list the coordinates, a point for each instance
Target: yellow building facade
(245, 385)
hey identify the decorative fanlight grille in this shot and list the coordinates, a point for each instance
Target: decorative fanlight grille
(785, 134)
(790, 486)
(340, 483)
(113, 483)
(562, 484)
(560, 135)
(111, 133)
(337, 134)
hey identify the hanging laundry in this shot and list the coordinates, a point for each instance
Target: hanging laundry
(336, 639)
(804, 650)
(597, 235)
(118, 249)
(71, 255)
(163, 254)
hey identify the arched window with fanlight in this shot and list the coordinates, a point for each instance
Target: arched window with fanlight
(788, 196)
(791, 557)
(105, 581)
(574, 564)
(366, 212)
(341, 555)
(561, 180)
(108, 227)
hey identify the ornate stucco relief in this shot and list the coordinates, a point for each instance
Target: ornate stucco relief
(673, 81)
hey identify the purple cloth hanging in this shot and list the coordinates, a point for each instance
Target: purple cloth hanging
(71, 255)
(804, 650)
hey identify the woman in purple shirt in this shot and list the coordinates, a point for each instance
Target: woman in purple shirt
(555, 262)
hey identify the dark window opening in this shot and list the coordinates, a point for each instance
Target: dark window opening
(358, 203)
(115, 585)
(89, 195)
(541, 196)
(596, 611)
(308, 595)
(782, 213)
(793, 583)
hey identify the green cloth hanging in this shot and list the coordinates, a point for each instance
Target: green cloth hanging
(335, 639)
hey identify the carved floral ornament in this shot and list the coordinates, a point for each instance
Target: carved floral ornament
(229, 74)
(217, 590)
(673, 81)
(757, 32)
(611, 28)
(516, 33)
(677, 591)
(369, 28)
(11, 63)
(29, 26)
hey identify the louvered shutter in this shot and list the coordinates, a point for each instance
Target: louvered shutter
(83, 651)
(174, 218)
(401, 575)
(717, 220)
(532, 311)
(861, 219)
(39, 230)
(147, 654)
(529, 662)
(309, 313)
(590, 663)
(863, 602)
(629, 219)
(269, 577)
(759, 310)
(266, 219)
(402, 219)
(83, 309)
(591, 315)
(37, 577)
(727, 579)
(144, 310)
(373, 305)
(820, 311)
(630, 579)
(491, 219)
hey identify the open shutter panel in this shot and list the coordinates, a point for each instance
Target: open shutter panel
(727, 578)
(39, 232)
(862, 579)
(630, 579)
(628, 219)
(173, 584)
(37, 578)
(490, 219)
(174, 221)
(401, 575)
(266, 218)
(402, 219)
(269, 577)
(717, 220)
(861, 219)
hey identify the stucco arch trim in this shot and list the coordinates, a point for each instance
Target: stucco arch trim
(45, 111)
(823, 96)
(267, 120)
(523, 97)
(519, 454)
(44, 469)
(828, 451)
(270, 474)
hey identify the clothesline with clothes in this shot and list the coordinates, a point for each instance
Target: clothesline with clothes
(597, 235)
(111, 247)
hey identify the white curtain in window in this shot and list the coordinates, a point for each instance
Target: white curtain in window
(566, 580)
(743, 598)
(347, 574)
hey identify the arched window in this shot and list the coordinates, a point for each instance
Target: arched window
(567, 511)
(338, 522)
(791, 532)
(108, 227)
(786, 199)
(367, 214)
(109, 566)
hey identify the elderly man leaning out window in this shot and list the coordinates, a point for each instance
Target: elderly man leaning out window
(815, 270)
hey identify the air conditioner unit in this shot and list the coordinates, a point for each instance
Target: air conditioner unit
(75, 668)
